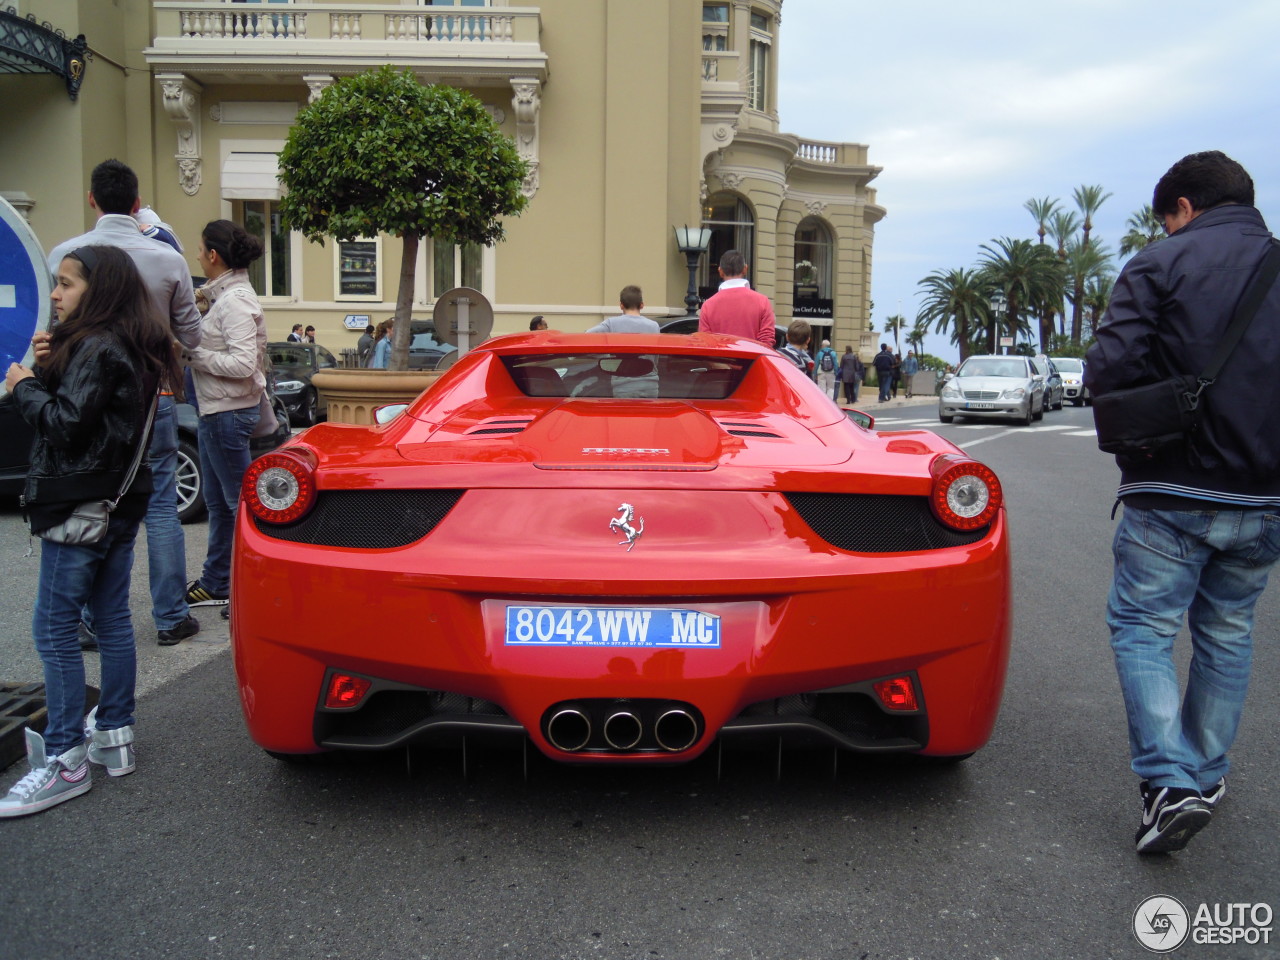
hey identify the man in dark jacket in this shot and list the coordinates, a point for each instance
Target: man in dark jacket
(1201, 524)
(885, 364)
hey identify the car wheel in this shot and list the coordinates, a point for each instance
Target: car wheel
(1026, 418)
(190, 482)
(1061, 402)
(945, 419)
(1077, 402)
(309, 412)
(1039, 415)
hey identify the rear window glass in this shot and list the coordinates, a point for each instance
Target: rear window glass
(627, 375)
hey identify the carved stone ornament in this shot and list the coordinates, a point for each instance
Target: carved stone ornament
(316, 83)
(731, 180)
(816, 208)
(182, 104)
(526, 104)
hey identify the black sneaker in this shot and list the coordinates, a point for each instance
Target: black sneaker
(1215, 793)
(88, 637)
(226, 612)
(198, 596)
(1171, 816)
(178, 632)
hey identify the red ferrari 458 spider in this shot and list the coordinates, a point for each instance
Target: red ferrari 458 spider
(621, 547)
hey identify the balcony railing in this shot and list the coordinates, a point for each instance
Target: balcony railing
(832, 154)
(194, 20)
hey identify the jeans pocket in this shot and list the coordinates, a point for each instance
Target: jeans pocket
(1174, 533)
(246, 421)
(1267, 549)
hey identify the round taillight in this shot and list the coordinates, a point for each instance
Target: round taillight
(966, 494)
(279, 488)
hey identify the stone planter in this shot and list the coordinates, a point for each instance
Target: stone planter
(353, 395)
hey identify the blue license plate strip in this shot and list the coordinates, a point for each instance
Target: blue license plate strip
(578, 626)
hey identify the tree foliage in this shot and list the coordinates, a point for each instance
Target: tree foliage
(1028, 274)
(380, 153)
(958, 301)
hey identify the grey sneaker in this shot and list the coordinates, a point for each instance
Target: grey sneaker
(50, 781)
(112, 749)
(87, 636)
(1171, 816)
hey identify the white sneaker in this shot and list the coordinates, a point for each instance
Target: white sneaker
(50, 782)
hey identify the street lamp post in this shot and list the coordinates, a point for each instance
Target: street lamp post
(999, 306)
(693, 243)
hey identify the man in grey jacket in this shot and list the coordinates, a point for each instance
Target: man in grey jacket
(113, 192)
(1200, 530)
(631, 302)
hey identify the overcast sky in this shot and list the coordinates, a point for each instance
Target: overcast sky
(973, 108)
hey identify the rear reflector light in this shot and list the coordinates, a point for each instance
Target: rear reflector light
(279, 487)
(345, 690)
(966, 494)
(898, 693)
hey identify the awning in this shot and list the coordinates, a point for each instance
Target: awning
(251, 176)
(31, 46)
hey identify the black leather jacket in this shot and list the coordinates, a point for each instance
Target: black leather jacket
(88, 427)
(1170, 307)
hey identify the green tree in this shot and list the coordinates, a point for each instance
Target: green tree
(958, 301)
(1027, 274)
(380, 153)
(1062, 227)
(915, 338)
(1144, 228)
(1084, 264)
(1042, 212)
(895, 325)
(1097, 295)
(1088, 200)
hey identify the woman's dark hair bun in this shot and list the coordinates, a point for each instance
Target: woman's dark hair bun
(233, 244)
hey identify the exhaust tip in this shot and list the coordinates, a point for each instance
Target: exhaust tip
(569, 730)
(623, 730)
(675, 730)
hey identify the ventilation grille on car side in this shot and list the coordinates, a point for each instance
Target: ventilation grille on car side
(500, 426)
(366, 519)
(736, 429)
(878, 523)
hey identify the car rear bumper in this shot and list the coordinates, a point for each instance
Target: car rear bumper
(804, 629)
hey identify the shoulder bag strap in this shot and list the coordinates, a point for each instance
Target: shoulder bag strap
(1245, 311)
(137, 456)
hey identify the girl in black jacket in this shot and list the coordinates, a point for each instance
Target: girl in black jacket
(88, 402)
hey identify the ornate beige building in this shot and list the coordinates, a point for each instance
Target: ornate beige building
(636, 116)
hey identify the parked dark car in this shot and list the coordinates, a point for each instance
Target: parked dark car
(690, 325)
(292, 366)
(425, 351)
(16, 438)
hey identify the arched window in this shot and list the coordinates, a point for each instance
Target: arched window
(733, 227)
(814, 253)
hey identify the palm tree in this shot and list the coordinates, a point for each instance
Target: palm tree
(1042, 211)
(956, 300)
(1027, 274)
(1084, 263)
(1097, 294)
(916, 337)
(1144, 228)
(1089, 199)
(893, 325)
(1062, 227)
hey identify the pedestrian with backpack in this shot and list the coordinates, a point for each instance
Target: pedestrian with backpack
(827, 363)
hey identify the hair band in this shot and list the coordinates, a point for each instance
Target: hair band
(86, 256)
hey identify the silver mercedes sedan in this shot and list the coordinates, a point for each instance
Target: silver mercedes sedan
(1003, 387)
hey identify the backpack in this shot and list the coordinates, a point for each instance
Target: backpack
(827, 362)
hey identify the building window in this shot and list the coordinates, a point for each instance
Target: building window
(733, 227)
(357, 270)
(758, 81)
(813, 259)
(455, 266)
(271, 274)
(715, 26)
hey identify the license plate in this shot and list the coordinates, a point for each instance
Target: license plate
(979, 406)
(573, 626)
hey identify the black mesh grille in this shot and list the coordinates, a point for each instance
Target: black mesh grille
(369, 519)
(473, 433)
(878, 523)
(755, 433)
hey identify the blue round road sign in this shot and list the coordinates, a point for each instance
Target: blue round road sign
(24, 288)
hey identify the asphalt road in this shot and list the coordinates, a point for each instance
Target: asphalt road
(213, 849)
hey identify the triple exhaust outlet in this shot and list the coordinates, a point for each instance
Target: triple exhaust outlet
(571, 729)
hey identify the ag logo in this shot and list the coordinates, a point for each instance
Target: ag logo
(1161, 924)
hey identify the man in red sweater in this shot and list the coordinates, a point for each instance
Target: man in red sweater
(735, 308)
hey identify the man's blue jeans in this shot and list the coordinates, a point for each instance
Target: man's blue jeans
(70, 578)
(886, 384)
(224, 457)
(1209, 566)
(166, 545)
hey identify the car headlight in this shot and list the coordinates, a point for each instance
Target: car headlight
(952, 390)
(289, 386)
(1016, 393)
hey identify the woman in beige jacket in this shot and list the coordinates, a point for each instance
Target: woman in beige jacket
(229, 381)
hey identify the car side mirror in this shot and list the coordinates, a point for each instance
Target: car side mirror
(864, 420)
(389, 412)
